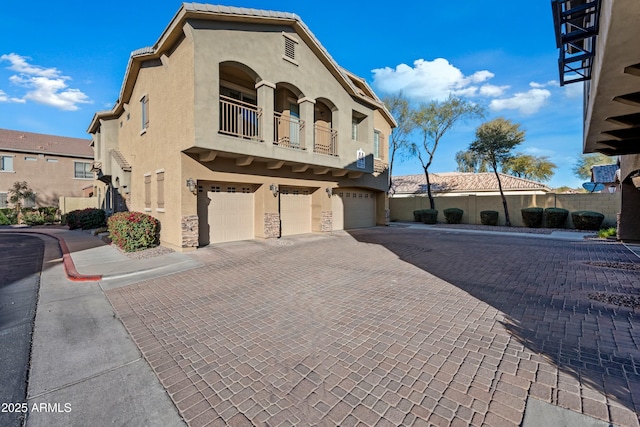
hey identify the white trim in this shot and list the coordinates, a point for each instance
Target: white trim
(293, 61)
(147, 209)
(159, 170)
(290, 37)
(306, 99)
(147, 174)
(262, 83)
(161, 210)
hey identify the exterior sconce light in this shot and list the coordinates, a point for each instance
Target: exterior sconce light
(191, 185)
(329, 191)
(274, 189)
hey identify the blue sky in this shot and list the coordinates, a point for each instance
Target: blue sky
(60, 62)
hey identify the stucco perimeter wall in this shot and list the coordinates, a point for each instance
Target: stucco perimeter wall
(68, 204)
(608, 204)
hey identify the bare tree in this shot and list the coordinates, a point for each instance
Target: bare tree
(399, 107)
(494, 141)
(433, 120)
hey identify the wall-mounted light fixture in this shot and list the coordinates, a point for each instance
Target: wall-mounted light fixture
(329, 191)
(191, 185)
(274, 189)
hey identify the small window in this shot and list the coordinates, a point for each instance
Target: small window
(376, 144)
(354, 129)
(31, 159)
(82, 170)
(366, 196)
(147, 192)
(348, 194)
(160, 189)
(246, 190)
(3, 200)
(30, 202)
(296, 192)
(231, 189)
(52, 160)
(360, 195)
(215, 189)
(144, 103)
(6, 163)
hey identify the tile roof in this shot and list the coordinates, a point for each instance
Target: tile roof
(604, 173)
(13, 140)
(462, 182)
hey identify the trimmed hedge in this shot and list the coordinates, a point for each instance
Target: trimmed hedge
(429, 216)
(587, 220)
(417, 215)
(134, 231)
(10, 215)
(3, 219)
(86, 219)
(489, 217)
(555, 217)
(453, 215)
(532, 217)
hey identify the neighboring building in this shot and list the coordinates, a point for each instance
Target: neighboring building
(238, 124)
(53, 166)
(607, 175)
(464, 184)
(598, 46)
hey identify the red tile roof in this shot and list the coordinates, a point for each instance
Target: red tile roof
(462, 182)
(27, 142)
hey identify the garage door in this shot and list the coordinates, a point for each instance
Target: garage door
(227, 211)
(295, 210)
(353, 209)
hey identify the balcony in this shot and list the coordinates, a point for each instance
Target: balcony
(325, 141)
(240, 119)
(288, 131)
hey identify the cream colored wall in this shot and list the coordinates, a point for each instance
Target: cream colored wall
(607, 204)
(381, 124)
(262, 49)
(169, 87)
(68, 204)
(49, 180)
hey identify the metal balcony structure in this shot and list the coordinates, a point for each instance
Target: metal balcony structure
(576, 24)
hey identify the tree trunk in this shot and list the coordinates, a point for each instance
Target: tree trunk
(431, 201)
(504, 199)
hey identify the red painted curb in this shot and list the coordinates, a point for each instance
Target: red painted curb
(69, 266)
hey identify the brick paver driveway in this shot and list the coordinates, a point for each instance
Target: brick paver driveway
(391, 326)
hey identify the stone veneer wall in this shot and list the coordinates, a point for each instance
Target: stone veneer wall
(190, 231)
(326, 221)
(271, 225)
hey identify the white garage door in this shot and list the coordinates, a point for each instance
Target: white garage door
(227, 211)
(295, 210)
(353, 209)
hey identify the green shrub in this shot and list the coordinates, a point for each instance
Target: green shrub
(48, 213)
(556, 217)
(86, 219)
(10, 214)
(133, 231)
(417, 215)
(489, 217)
(429, 216)
(532, 217)
(32, 217)
(453, 215)
(587, 220)
(3, 219)
(607, 232)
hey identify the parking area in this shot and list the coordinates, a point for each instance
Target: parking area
(393, 326)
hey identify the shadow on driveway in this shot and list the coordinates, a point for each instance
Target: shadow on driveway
(543, 287)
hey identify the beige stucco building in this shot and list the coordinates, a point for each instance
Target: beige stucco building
(53, 166)
(238, 124)
(598, 46)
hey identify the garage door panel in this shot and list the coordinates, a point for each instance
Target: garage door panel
(295, 211)
(230, 216)
(354, 208)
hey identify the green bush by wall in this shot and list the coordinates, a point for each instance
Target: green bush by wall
(86, 219)
(532, 217)
(489, 217)
(133, 231)
(429, 216)
(587, 220)
(556, 217)
(453, 215)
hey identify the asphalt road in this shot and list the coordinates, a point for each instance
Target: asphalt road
(20, 265)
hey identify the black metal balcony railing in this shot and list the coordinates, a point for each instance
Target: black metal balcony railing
(240, 119)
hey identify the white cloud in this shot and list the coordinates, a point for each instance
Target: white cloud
(44, 85)
(573, 90)
(535, 151)
(492, 91)
(526, 102)
(428, 80)
(537, 85)
(3, 97)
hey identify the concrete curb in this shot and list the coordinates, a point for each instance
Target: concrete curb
(69, 266)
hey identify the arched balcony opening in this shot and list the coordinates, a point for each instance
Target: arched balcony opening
(288, 126)
(240, 115)
(325, 136)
